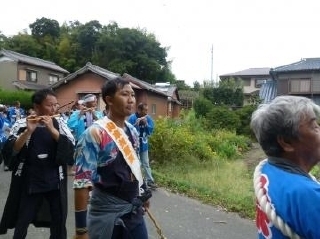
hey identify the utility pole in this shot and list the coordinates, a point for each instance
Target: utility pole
(211, 62)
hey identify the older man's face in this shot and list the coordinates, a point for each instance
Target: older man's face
(92, 104)
(307, 146)
(144, 111)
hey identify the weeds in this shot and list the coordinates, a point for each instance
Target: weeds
(206, 165)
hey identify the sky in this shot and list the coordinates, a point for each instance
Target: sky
(206, 38)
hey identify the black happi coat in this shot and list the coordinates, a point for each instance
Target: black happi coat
(64, 150)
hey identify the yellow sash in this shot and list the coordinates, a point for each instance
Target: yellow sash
(124, 145)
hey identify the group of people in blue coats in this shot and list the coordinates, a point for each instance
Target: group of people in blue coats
(8, 116)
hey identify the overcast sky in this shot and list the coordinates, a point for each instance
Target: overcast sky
(207, 38)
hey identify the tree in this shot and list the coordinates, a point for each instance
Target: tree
(229, 92)
(87, 37)
(196, 85)
(221, 117)
(181, 85)
(133, 51)
(46, 32)
(45, 27)
(121, 50)
(23, 43)
(3, 39)
(202, 106)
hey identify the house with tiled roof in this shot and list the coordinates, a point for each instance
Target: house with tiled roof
(299, 78)
(162, 101)
(252, 80)
(76, 85)
(90, 78)
(19, 71)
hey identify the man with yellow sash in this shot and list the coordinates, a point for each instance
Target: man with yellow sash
(107, 163)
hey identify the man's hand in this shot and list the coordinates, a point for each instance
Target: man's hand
(32, 122)
(82, 112)
(47, 121)
(146, 204)
(142, 120)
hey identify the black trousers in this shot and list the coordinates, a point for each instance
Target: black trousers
(27, 211)
(139, 232)
(71, 160)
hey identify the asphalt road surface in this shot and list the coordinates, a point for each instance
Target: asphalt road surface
(179, 217)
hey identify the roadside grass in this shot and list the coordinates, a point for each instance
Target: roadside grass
(214, 166)
(227, 184)
(204, 164)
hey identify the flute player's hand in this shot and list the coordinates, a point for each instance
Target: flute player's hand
(82, 111)
(32, 122)
(47, 121)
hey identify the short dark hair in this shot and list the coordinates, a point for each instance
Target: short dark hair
(39, 96)
(110, 87)
(141, 106)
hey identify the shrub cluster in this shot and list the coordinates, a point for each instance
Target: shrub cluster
(224, 117)
(8, 97)
(186, 139)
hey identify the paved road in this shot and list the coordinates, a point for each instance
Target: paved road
(179, 218)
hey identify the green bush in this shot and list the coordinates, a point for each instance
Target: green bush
(203, 164)
(202, 106)
(221, 117)
(315, 171)
(170, 141)
(228, 145)
(9, 97)
(244, 115)
(186, 139)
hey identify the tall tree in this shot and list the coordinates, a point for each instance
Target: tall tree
(136, 52)
(229, 92)
(121, 50)
(3, 40)
(23, 43)
(47, 32)
(87, 37)
(45, 27)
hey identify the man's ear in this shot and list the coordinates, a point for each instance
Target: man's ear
(36, 107)
(285, 143)
(109, 100)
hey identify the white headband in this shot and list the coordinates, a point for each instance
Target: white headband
(89, 99)
(80, 102)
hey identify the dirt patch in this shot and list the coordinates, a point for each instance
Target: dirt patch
(253, 156)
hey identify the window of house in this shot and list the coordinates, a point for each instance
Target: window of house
(315, 86)
(283, 86)
(300, 85)
(32, 76)
(53, 79)
(170, 107)
(258, 82)
(246, 81)
(153, 109)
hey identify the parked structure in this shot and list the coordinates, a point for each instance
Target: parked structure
(162, 100)
(298, 78)
(90, 78)
(18, 71)
(252, 80)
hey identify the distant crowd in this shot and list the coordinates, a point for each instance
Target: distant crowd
(105, 151)
(10, 114)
